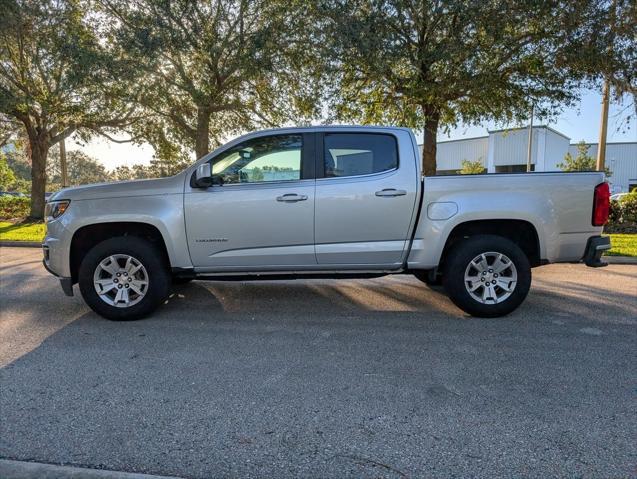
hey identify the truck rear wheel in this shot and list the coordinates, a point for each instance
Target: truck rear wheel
(487, 276)
(124, 278)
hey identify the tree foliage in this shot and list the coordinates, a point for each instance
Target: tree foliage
(20, 166)
(430, 64)
(610, 52)
(58, 78)
(184, 75)
(125, 173)
(81, 169)
(7, 177)
(622, 69)
(212, 68)
(9, 130)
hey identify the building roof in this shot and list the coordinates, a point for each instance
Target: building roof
(535, 127)
(462, 139)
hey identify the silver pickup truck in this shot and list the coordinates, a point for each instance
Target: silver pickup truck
(321, 202)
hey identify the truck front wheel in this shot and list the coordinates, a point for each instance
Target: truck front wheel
(487, 276)
(124, 278)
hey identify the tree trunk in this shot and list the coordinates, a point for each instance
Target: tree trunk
(202, 143)
(429, 141)
(63, 167)
(39, 151)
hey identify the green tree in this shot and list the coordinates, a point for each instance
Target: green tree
(609, 52)
(7, 177)
(122, 173)
(472, 167)
(135, 172)
(430, 64)
(621, 70)
(581, 162)
(19, 163)
(9, 130)
(58, 77)
(162, 167)
(141, 172)
(212, 68)
(81, 169)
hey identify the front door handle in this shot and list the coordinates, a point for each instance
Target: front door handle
(391, 192)
(291, 198)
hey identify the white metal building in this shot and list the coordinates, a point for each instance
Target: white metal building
(505, 151)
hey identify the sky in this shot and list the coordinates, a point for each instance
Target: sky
(578, 123)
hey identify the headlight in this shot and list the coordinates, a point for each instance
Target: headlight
(55, 209)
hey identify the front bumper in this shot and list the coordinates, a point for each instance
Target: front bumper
(66, 283)
(55, 248)
(594, 249)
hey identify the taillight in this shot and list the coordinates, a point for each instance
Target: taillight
(601, 204)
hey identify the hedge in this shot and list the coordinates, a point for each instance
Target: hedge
(14, 207)
(623, 215)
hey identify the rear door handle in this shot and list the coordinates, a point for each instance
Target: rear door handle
(291, 198)
(391, 192)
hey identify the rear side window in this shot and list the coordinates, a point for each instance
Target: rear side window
(354, 154)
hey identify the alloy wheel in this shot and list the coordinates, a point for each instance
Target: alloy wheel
(121, 280)
(490, 277)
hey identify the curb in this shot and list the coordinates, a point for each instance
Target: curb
(37, 470)
(21, 244)
(620, 259)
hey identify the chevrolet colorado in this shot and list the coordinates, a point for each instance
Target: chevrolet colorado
(327, 202)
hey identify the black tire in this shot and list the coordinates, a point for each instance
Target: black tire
(462, 255)
(148, 255)
(178, 280)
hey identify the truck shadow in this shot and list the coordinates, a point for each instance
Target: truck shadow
(37, 306)
(601, 304)
(404, 294)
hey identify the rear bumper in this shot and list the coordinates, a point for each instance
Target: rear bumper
(594, 249)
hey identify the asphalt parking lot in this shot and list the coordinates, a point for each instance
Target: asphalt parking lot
(324, 378)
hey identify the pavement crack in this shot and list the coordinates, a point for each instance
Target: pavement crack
(373, 462)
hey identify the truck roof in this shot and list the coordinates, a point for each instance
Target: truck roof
(320, 128)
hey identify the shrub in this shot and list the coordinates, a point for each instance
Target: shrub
(623, 215)
(615, 214)
(629, 207)
(472, 167)
(12, 207)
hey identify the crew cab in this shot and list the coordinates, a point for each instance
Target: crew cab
(322, 202)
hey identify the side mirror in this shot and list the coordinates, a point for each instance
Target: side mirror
(202, 177)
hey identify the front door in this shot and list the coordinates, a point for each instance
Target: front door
(259, 214)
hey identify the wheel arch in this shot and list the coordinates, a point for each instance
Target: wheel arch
(521, 232)
(87, 236)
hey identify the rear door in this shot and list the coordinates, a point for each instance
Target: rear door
(365, 198)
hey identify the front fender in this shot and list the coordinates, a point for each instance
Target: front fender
(164, 212)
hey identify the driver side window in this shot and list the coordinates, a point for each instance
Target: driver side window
(264, 159)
